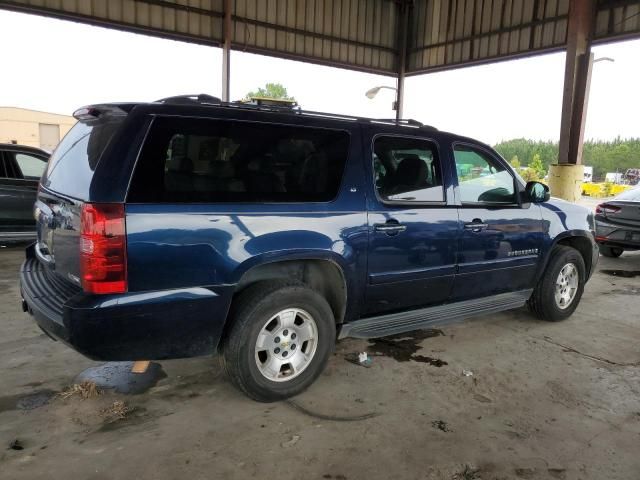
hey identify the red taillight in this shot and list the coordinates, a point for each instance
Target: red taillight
(103, 248)
(605, 208)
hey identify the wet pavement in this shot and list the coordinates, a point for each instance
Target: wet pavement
(542, 400)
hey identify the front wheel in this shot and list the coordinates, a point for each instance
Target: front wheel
(560, 289)
(612, 252)
(280, 340)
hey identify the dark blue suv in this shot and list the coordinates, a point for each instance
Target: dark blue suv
(190, 226)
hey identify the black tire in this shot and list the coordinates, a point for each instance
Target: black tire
(250, 310)
(611, 252)
(543, 302)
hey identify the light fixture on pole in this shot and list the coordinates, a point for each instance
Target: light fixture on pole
(372, 92)
(604, 59)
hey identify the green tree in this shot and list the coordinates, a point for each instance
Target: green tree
(529, 175)
(271, 90)
(604, 156)
(537, 166)
(515, 163)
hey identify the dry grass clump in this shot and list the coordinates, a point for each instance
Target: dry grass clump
(84, 390)
(118, 410)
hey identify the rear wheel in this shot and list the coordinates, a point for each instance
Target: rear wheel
(560, 289)
(280, 340)
(613, 252)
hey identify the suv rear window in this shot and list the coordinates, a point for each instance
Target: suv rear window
(73, 162)
(223, 161)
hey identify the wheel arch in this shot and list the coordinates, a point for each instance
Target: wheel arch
(323, 273)
(581, 241)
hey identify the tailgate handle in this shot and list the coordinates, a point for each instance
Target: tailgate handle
(42, 252)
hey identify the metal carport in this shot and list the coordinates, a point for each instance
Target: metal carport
(396, 38)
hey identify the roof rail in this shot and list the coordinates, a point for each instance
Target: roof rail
(191, 99)
(410, 122)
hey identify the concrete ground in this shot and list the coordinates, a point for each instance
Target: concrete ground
(544, 400)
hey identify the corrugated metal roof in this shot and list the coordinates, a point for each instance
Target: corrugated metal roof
(355, 34)
(460, 32)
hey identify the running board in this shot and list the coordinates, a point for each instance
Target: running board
(439, 315)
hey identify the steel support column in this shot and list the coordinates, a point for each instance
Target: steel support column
(403, 33)
(576, 80)
(226, 52)
(566, 176)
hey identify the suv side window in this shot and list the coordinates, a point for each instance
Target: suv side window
(407, 170)
(226, 161)
(31, 166)
(481, 179)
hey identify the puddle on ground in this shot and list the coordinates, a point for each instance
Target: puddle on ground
(440, 425)
(29, 401)
(622, 273)
(403, 346)
(118, 376)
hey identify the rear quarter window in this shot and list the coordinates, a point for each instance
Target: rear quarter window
(228, 161)
(72, 164)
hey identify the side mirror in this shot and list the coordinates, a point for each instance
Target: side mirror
(537, 192)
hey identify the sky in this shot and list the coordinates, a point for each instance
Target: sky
(58, 66)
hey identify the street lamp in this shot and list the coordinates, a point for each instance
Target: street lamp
(372, 92)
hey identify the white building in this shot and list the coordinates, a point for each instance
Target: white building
(32, 127)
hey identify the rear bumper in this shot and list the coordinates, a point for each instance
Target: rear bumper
(155, 325)
(614, 235)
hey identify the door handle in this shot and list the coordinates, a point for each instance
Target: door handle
(390, 228)
(476, 225)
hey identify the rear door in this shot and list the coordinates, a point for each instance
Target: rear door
(65, 187)
(413, 230)
(500, 238)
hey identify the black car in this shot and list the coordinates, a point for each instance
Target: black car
(618, 223)
(20, 170)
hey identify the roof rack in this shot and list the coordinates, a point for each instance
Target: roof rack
(291, 108)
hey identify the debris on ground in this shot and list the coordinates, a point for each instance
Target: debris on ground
(467, 373)
(16, 444)
(359, 358)
(468, 473)
(440, 425)
(84, 390)
(118, 410)
(481, 398)
(364, 359)
(292, 442)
